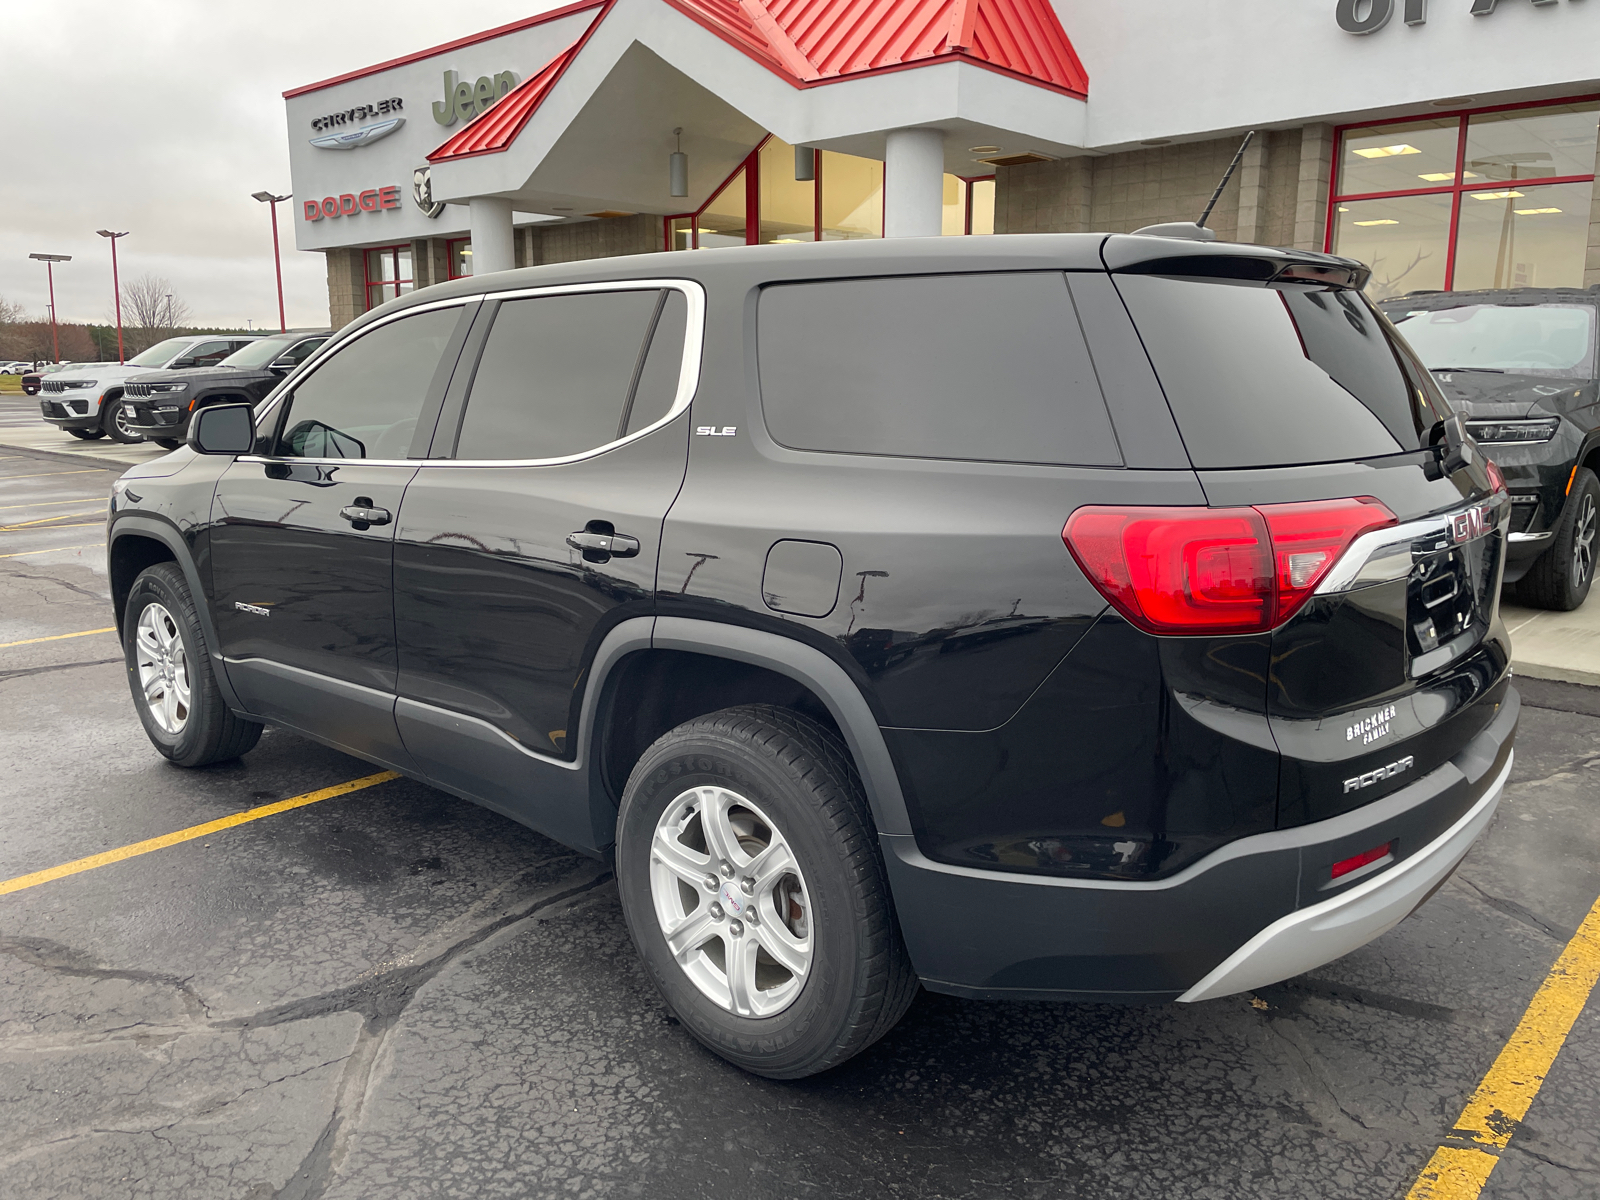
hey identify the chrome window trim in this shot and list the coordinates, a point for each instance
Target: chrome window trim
(1384, 555)
(688, 374)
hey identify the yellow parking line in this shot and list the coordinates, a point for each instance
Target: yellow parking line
(47, 503)
(47, 474)
(55, 637)
(42, 520)
(54, 549)
(1459, 1168)
(189, 834)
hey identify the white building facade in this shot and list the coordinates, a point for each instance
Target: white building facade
(1448, 143)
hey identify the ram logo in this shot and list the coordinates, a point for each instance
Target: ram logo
(1372, 777)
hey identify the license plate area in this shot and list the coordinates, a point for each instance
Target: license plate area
(1449, 600)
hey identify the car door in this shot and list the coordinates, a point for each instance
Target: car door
(301, 542)
(571, 435)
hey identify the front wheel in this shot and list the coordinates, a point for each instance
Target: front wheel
(169, 672)
(1561, 577)
(115, 421)
(753, 887)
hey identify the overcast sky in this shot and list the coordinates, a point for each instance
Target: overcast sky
(161, 117)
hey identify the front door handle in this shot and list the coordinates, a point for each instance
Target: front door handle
(600, 544)
(362, 515)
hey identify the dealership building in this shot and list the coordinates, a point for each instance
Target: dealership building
(1447, 143)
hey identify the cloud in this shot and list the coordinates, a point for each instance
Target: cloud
(161, 117)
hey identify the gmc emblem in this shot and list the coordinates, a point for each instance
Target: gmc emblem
(1473, 523)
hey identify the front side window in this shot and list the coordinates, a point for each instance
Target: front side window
(365, 399)
(1528, 339)
(206, 354)
(160, 354)
(565, 374)
(983, 367)
(257, 354)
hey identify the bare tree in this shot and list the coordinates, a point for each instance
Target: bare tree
(150, 311)
(11, 338)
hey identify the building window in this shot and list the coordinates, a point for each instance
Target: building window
(1497, 198)
(458, 252)
(388, 274)
(761, 202)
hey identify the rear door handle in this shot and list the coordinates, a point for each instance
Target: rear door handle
(362, 514)
(598, 546)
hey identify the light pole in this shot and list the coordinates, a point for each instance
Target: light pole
(116, 285)
(277, 261)
(49, 261)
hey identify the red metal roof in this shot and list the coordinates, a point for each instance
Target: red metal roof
(817, 41)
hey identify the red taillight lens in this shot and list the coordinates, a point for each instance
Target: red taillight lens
(1356, 861)
(1215, 570)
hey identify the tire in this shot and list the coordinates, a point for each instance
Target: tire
(87, 435)
(1561, 577)
(115, 422)
(169, 674)
(785, 779)
(167, 443)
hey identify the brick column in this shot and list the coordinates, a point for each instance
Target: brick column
(1311, 195)
(347, 287)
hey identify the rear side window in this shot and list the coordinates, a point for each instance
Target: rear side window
(558, 374)
(1274, 376)
(989, 367)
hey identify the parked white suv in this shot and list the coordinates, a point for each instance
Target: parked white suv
(86, 400)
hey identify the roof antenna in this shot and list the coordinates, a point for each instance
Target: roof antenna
(1198, 231)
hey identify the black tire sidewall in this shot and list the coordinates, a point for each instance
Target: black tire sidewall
(109, 421)
(780, 1045)
(157, 586)
(1587, 488)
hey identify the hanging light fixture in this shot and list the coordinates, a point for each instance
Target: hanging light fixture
(678, 167)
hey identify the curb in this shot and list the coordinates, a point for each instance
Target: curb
(115, 464)
(1533, 670)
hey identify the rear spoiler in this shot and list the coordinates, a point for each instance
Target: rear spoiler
(1135, 254)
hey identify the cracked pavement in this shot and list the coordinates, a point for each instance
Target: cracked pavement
(395, 994)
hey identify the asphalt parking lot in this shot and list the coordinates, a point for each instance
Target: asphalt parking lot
(393, 993)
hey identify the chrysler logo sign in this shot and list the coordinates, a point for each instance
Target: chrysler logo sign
(1369, 16)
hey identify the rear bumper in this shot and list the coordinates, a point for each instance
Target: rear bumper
(1256, 911)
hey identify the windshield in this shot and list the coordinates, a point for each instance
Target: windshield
(1536, 339)
(160, 354)
(258, 354)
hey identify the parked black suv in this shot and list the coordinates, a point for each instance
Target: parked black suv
(1520, 365)
(1048, 617)
(159, 404)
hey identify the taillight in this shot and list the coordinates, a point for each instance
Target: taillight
(1356, 861)
(1497, 480)
(1216, 570)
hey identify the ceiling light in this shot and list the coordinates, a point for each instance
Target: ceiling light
(1385, 221)
(1342, 208)
(1438, 176)
(1453, 100)
(678, 168)
(1512, 195)
(983, 149)
(1534, 212)
(1156, 142)
(786, 241)
(1387, 151)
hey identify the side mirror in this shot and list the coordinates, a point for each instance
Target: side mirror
(224, 429)
(284, 365)
(179, 364)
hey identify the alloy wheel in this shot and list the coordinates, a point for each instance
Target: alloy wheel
(163, 668)
(119, 418)
(1583, 541)
(731, 901)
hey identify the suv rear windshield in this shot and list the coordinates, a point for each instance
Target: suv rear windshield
(1280, 375)
(1530, 339)
(986, 367)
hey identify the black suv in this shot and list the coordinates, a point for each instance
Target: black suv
(1050, 617)
(1520, 365)
(158, 405)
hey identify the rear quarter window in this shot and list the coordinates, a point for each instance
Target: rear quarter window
(986, 367)
(1262, 376)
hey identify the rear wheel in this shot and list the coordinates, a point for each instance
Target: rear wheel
(1561, 577)
(115, 422)
(752, 885)
(87, 435)
(169, 672)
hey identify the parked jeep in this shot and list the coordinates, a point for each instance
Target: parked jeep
(158, 405)
(1063, 617)
(85, 399)
(1520, 364)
